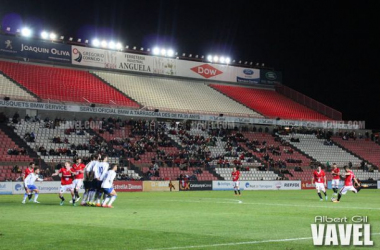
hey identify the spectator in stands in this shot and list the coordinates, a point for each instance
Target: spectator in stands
(22, 151)
(298, 169)
(15, 118)
(16, 169)
(3, 117)
(13, 151)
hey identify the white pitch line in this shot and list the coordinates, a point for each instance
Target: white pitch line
(238, 243)
(274, 204)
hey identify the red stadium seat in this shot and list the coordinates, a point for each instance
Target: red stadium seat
(269, 103)
(66, 85)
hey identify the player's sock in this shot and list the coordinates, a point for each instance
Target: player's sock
(92, 196)
(25, 195)
(235, 192)
(84, 197)
(358, 189)
(35, 197)
(239, 191)
(62, 198)
(113, 198)
(76, 195)
(339, 195)
(325, 194)
(30, 196)
(106, 200)
(73, 199)
(320, 196)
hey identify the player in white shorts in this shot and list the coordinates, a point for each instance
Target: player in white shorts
(107, 186)
(66, 182)
(235, 178)
(335, 180)
(319, 178)
(349, 178)
(89, 192)
(29, 184)
(99, 171)
(78, 170)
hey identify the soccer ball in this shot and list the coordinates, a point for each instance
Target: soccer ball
(333, 199)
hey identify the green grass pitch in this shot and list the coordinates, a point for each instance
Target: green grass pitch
(180, 220)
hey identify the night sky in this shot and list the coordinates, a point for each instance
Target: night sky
(328, 50)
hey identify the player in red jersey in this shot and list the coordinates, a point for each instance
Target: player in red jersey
(78, 170)
(335, 180)
(66, 182)
(235, 178)
(349, 178)
(28, 171)
(319, 178)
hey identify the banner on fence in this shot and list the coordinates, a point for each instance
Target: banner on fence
(307, 185)
(195, 185)
(5, 187)
(128, 186)
(271, 185)
(34, 49)
(162, 186)
(45, 187)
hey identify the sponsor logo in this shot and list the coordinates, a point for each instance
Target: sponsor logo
(18, 187)
(206, 70)
(77, 52)
(247, 184)
(128, 187)
(8, 44)
(2, 186)
(278, 185)
(295, 184)
(248, 72)
(271, 75)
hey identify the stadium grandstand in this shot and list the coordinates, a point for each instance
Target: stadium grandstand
(197, 123)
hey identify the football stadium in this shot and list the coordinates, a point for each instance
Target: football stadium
(109, 145)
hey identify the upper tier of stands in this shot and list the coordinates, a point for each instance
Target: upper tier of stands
(175, 94)
(65, 85)
(10, 89)
(269, 103)
(314, 147)
(365, 148)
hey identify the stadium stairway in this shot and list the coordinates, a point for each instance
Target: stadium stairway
(21, 143)
(114, 87)
(20, 86)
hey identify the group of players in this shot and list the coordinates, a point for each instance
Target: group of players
(96, 177)
(320, 181)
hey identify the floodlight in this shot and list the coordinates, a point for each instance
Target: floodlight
(156, 51)
(104, 43)
(44, 35)
(53, 36)
(26, 32)
(95, 43)
(170, 53)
